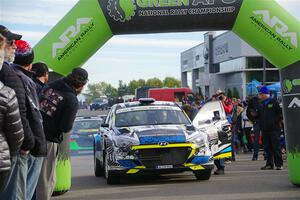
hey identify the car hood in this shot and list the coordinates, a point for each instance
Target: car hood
(154, 134)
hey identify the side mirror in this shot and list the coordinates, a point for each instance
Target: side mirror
(104, 125)
(124, 130)
(190, 127)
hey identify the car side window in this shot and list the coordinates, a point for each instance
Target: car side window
(211, 111)
(110, 123)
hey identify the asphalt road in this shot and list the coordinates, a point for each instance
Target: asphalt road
(243, 181)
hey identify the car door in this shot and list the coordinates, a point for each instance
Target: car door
(211, 118)
(103, 133)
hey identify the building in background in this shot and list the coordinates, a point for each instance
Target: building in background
(224, 62)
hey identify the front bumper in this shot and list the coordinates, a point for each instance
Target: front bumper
(141, 170)
(174, 158)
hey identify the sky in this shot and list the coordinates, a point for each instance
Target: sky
(125, 57)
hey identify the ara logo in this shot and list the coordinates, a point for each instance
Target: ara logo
(280, 27)
(121, 10)
(71, 32)
(295, 103)
(288, 85)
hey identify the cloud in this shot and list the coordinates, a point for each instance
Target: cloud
(35, 36)
(32, 36)
(292, 6)
(153, 42)
(34, 12)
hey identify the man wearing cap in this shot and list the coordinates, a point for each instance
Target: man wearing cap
(270, 117)
(11, 130)
(59, 106)
(32, 161)
(9, 78)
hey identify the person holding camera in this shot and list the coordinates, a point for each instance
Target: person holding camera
(228, 107)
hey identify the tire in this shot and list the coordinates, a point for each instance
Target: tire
(98, 169)
(58, 193)
(203, 174)
(297, 185)
(111, 179)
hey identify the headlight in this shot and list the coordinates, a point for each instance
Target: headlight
(201, 140)
(123, 146)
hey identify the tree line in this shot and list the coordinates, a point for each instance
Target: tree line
(95, 90)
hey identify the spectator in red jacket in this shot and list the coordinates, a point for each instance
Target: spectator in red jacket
(227, 102)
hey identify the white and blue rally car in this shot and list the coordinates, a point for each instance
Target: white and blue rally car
(155, 136)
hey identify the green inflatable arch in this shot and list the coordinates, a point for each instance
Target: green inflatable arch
(265, 25)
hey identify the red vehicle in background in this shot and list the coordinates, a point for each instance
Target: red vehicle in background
(171, 94)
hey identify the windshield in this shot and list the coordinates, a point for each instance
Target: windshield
(151, 117)
(86, 124)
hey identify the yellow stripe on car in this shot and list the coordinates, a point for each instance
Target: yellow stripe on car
(87, 130)
(196, 167)
(135, 169)
(193, 166)
(224, 155)
(132, 171)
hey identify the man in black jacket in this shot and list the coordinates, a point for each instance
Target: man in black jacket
(270, 117)
(26, 185)
(9, 78)
(59, 106)
(11, 130)
(253, 115)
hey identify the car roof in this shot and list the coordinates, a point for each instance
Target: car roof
(137, 103)
(87, 118)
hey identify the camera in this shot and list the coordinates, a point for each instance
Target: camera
(220, 98)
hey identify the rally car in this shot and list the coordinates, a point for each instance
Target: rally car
(81, 138)
(151, 136)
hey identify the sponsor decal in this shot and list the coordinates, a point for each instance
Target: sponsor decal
(275, 28)
(125, 10)
(221, 49)
(163, 144)
(121, 10)
(295, 103)
(72, 37)
(50, 101)
(288, 85)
